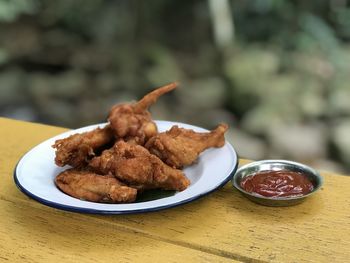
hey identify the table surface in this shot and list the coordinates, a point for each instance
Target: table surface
(221, 227)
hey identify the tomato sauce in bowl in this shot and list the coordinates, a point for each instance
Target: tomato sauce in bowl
(277, 182)
(282, 183)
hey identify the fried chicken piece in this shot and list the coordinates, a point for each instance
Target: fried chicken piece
(180, 147)
(132, 121)
(96, 188)
(134, 165)
(77, 149)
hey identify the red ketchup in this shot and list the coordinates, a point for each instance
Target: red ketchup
(277, 184)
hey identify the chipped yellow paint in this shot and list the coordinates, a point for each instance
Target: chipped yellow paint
(37, 235)
(222, 226)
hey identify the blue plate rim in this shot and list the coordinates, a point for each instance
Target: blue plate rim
(76, 209)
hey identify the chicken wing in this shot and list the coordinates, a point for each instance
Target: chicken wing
(179, 147)
(134, 165)
(132, 121)
(96, 188)
(77, 149)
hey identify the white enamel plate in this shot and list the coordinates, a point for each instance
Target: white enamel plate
(36, 170)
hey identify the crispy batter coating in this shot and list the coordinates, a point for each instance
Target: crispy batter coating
(134, 165)
(77, 149)
(140, 159)
(96, 188)
(132, 121)
(179, 147)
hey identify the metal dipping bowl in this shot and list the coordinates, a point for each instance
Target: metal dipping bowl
(276, 165)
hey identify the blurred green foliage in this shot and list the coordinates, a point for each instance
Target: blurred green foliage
(66, 62)
(10, 10)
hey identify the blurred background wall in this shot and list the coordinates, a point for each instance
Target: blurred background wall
(277, 71)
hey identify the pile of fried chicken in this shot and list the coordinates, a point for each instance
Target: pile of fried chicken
(127, 156)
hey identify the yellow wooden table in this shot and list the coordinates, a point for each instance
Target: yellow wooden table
(221, 227)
